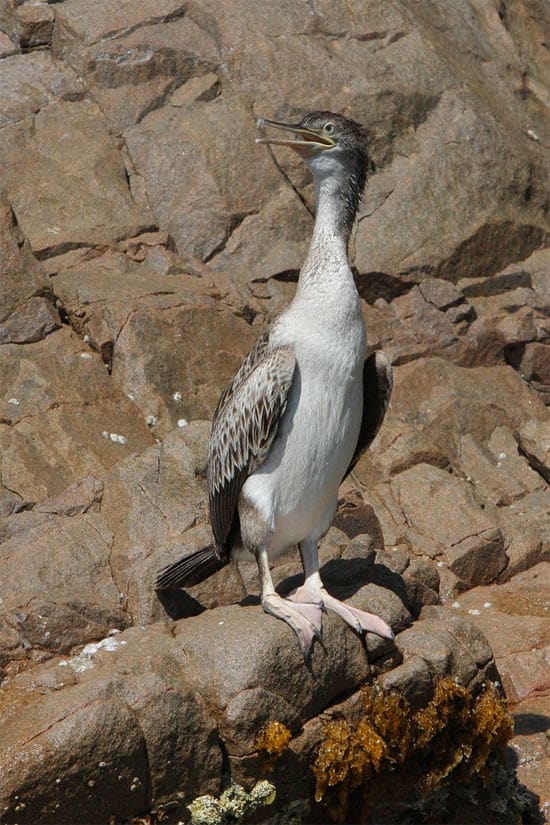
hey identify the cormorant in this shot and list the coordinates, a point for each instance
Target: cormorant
(304, 404)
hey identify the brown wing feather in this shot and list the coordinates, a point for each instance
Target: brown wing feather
(244, 426)
(259, 349)
(377, 387)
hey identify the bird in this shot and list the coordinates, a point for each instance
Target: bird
(303, 406)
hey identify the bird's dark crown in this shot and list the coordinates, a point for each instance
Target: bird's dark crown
(343, 130)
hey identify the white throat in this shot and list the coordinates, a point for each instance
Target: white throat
(327, 259)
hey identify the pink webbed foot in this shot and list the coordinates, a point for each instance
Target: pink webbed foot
(304, 618)
(359, 620)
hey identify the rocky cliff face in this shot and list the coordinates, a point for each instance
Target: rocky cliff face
(145, 240)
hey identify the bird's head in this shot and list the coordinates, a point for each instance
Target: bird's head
(334, 147)
(325, 140)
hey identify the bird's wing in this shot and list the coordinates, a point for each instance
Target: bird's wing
(261, 346)
(377, 387)
(244, 426)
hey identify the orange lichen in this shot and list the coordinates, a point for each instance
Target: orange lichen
(273, 738)
(454, 734)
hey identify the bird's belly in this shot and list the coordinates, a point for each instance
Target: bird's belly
(296, 489)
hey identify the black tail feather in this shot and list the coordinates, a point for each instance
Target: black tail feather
(191, 569)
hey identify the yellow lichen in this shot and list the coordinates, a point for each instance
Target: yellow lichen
(450, 703)
(273, 738)
(390, 714)
(442, 731)
(492, 725)
(347, 757)
(454, 734)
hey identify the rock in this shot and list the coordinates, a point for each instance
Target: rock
(508, 320)
(34, 25)
(109, 774)
(29, 83)
(417, 641)
(63, 418)
(82, 198)
(413, 679)
(447, 643)
(466, 635)
(478, 559)
(47, 628)
(148, 673)
(526, 537)
(149, 501)
(450, 586)
(427, 329)
(418, 593)
(138, 673)
(424, 572)
(487, 473)
(537, 266)
(510, 461)
(394, 558)
(21, 281)
(197, 179)
(133, 62)
(78, 498)
(471, 545)
(154, 331)
(444, 296)
(533, 365)
(513, 617)
(7, 46)
(77, 20)
(145, 241)
(441, 121)
(156, 680)
(291, 692)
(160, 355)
(435, 403)
(534, 442)
(528, 751)
(29, 323)
(280, 253)
(69, 598)
(484, 331)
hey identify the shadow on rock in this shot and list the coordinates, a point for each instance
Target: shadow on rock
(344, 577)
(178, 604)
(526, 724)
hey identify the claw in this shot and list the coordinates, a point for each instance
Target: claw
(304, 619)
(358, 620)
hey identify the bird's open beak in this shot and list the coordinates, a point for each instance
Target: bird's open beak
(307, 142)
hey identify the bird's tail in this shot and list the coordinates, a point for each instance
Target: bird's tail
(191, 569)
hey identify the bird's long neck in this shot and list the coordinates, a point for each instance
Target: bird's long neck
(327, 262)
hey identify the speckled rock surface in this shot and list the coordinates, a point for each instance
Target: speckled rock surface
(145, 241)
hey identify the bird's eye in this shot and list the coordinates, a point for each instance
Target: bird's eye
(330, 128)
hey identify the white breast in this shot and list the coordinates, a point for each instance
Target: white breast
(296, 488)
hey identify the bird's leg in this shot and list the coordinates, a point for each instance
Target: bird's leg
(313, 589)
(304, 619)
